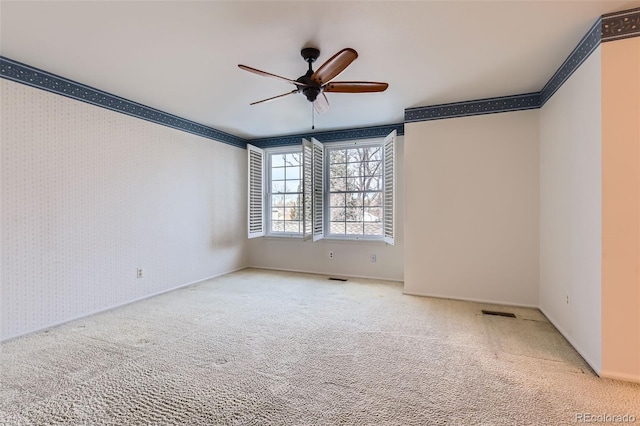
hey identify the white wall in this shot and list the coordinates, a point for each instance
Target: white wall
(90, 195)
(351, 258)
(570, 209)
(471, 221)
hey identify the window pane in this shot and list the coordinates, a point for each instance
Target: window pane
(372, 168)
(293, 186)
(373, 214)
(375, 153)
(337, 185)
(353, 169)
(353, 155)
(292, 213)
(293, 159)
(356, 184)
(338, 170)
(357, 171)
(373, 228)
(337, 156)
(277, 173)
(285, 174)
(292, 227)
(374, 184)
(353, 213)
(337, 228)
(373, 199)
(337, 214)
(277, 201)
(293, 172)
(277, 160)
(354, 200)
(354, 228)
(338, 200)
(291, 200)
(277, 186)
(277, 213)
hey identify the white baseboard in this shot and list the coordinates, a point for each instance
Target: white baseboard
(470, 299)
(327, 274)
(595, 366)
(128, 302)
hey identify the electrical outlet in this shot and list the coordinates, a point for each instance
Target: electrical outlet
(139, 273)
(567, 299)
(374, 258)
(330, 255)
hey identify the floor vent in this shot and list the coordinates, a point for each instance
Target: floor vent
(337, 279)
(500, 314)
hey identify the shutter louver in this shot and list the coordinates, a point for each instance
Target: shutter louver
(256, 192)
(389, 187)
(307, 189)
(318, 190)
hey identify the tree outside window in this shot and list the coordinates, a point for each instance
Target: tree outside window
(286, 193)
(356, 191)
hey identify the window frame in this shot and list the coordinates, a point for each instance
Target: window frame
(268, 210)
(361, 143)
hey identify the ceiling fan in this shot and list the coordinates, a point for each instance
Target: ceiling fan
(314, 84)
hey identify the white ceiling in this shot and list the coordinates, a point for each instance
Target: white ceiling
(181, 57)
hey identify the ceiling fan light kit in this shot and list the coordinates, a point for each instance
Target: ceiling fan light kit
(314, 84)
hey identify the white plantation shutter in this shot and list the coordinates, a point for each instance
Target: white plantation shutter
(256, 191)
(389, 187)
(307, 189)
(318, 190)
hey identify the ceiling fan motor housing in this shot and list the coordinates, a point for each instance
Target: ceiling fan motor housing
(311, 93)
(311, 89)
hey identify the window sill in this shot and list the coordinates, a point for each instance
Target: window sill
(284, 237)
(354, 240)
(332, 240)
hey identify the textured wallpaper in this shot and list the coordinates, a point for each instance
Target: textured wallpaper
(89, 196)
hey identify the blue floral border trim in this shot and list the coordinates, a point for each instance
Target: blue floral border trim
(25, 74)
(476, 107)
(609, 27)
(619, 25)
(583, 50)
(330, 136)
(31, 76)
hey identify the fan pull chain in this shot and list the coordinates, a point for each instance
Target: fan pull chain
(313, 119)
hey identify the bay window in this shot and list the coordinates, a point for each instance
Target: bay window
(335, 190)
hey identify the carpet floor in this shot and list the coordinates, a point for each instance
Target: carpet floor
(273, 348)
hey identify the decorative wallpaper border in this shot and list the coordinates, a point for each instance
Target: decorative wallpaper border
(619, 25)
(25, 74)
(330, 136)
(476, 107)
(609, 27)
(583, 50)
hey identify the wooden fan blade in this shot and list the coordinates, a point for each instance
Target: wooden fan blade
(334, 66)
(355, 87)
(321, 104)
(275, 97)
(268, 74)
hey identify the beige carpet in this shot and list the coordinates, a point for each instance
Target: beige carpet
(269, 348)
